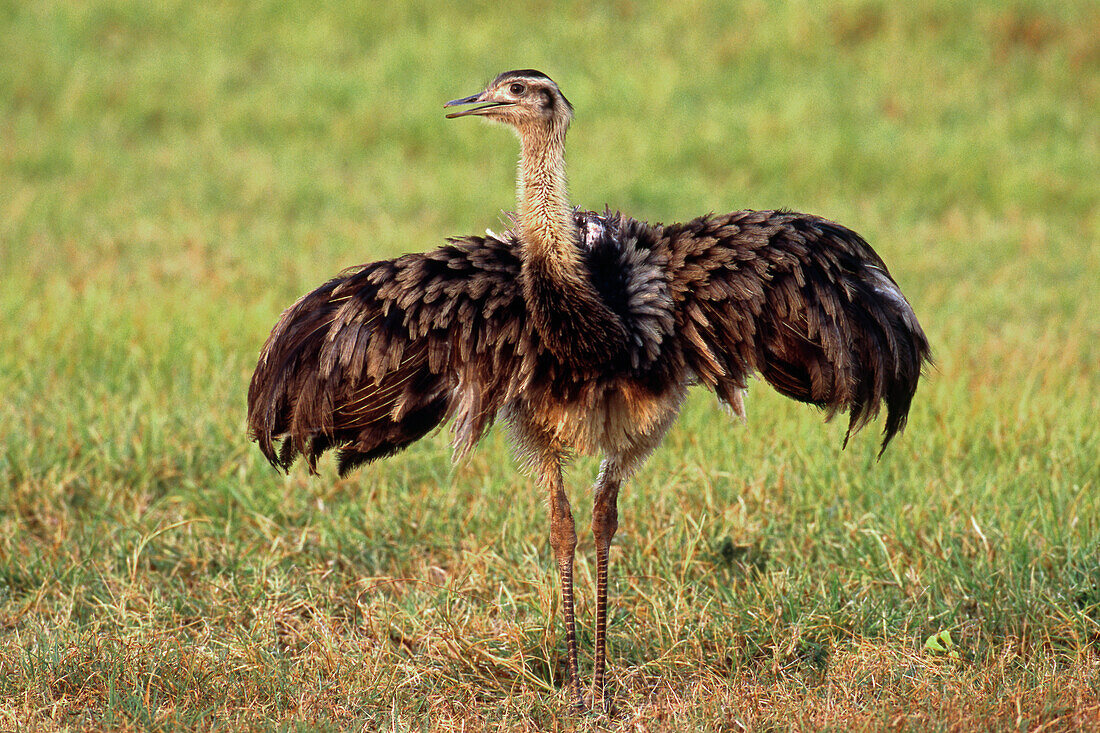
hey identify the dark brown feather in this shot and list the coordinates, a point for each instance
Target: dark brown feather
(804, 302)
(372, 360)
(378, 357)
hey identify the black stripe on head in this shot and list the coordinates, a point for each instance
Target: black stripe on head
(524, 73)
(547, 98)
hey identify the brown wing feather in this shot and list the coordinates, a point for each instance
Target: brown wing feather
(804, 302)
(379, 356)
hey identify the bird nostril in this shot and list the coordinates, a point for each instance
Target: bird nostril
(465, 100)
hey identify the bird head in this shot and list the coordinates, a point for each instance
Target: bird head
(523, 99)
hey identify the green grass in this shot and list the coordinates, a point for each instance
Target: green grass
(173, 174)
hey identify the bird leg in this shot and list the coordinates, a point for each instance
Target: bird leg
(605, 520)
(563, 540)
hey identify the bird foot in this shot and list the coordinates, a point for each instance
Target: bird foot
(601, 703)
(598, 705)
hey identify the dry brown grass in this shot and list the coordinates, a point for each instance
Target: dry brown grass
(864, 686)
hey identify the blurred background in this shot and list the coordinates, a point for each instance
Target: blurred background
(174, 174)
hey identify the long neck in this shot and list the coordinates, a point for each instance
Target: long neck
(568, 313)
(545, 216)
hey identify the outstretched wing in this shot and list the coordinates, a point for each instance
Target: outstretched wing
(376, 358)
(804, 302)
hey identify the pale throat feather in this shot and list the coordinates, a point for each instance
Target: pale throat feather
(545, 216)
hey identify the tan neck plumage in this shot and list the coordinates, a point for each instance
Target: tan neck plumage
(545, 216)
(572, 320)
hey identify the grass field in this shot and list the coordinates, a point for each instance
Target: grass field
(173, 174)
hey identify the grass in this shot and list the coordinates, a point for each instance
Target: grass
(173, 174)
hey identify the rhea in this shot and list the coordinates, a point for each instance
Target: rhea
(583, 331)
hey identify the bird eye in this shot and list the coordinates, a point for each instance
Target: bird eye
(517, 89)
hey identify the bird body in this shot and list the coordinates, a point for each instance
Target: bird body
(583, 331)
(384, 353)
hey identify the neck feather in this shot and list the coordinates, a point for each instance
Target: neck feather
(568, 313)
(545, 216)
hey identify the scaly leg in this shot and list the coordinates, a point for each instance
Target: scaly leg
(563, 540)
(616, 468)
(605, 520)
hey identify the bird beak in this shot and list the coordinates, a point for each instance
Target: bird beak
(474, 99)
